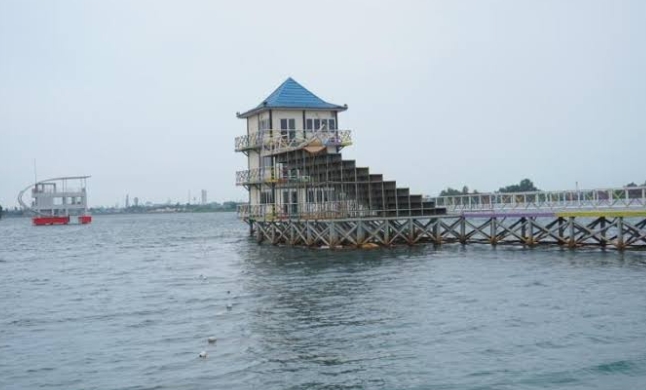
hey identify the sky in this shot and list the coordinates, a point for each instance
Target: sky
(143, 95)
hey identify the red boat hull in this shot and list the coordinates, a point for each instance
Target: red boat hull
(85, 219)
(43, 221)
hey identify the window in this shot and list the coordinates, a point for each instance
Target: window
(288, 124)
(320, 124)
(266, 197)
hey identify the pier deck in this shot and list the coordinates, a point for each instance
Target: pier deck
(573, 223)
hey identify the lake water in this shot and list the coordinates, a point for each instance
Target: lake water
(129, 301)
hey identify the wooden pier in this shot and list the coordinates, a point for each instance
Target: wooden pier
(612, 229)
(303, 192)
(610, 217)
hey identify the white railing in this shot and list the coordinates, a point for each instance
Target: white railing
(280, 141)
(322, 210)
(613, 198)
(268, 175)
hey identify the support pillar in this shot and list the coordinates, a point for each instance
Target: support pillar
(530, 231)
(463, 230)
(411, 232)
(493, 235)
(361, 233)
(523, 229)
(260, 236)
(620, 233)
(437, 234)
(308, 234)
(572, 238)
(386, 232)
(561, 231)
(292, 233)
(602, 225)
(332, 237)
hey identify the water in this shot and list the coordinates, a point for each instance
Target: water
(129, 302)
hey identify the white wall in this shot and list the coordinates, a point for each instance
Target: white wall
(287, 114)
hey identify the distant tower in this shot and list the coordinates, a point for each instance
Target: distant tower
(127, 201)
(203, 196)
(136, 201)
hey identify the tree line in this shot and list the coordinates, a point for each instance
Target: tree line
(525, 185)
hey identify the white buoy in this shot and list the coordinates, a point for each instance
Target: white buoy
(203, 354)
(212, 340)
(229, 306)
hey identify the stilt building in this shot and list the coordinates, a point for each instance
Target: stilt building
(293, 145)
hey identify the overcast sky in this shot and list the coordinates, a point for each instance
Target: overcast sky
(142, 95)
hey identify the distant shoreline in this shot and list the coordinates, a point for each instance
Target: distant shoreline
(95, 213)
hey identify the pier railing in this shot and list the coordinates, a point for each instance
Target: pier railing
(606, 198)
(280, 141)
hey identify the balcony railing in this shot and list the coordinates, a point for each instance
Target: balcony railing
(323, 210)
(280, 141)
(268, 175)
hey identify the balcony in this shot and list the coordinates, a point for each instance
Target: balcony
(268, 175)
(271, 142)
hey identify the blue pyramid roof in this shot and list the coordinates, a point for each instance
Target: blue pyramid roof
(291, 94)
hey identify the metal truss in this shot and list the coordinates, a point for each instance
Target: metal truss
(617, 232)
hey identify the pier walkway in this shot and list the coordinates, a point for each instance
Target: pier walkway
(612, 218)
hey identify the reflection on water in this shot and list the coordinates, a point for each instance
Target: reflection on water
(130, 301)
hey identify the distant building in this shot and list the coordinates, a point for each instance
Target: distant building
(127, 201)
(203, 196)
(136, 201)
